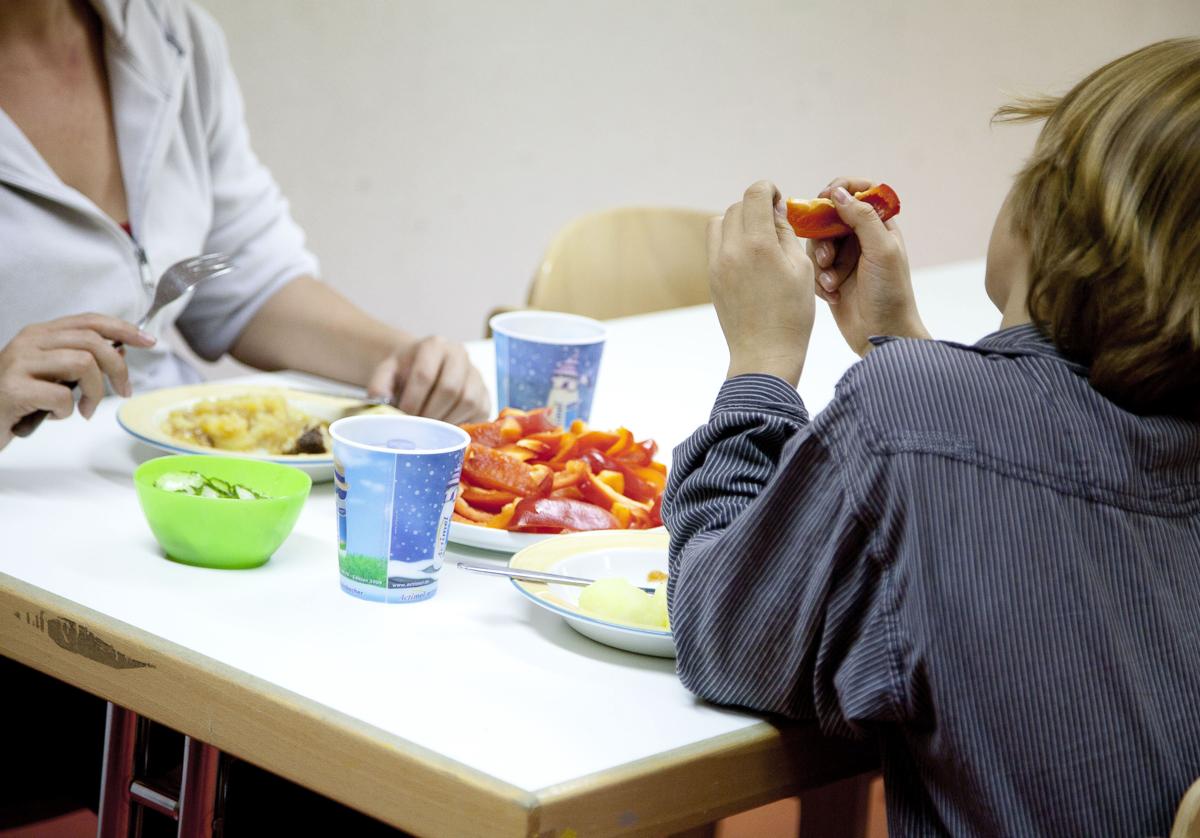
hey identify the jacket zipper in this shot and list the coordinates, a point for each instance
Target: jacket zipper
(147, 277)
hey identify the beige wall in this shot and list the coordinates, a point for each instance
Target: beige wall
(431, 149)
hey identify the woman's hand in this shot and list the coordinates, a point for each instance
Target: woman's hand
(433, 378)
(762, 286)
(38, 364)
(864, 276)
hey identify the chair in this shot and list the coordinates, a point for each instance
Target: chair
(624, 261)
(1187, 817)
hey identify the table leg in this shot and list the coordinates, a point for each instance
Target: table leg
(120, 740)
(123, 793)
(198, 789)
(838, 810)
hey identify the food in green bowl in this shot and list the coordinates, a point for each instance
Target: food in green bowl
(231, 530)
(200, 485)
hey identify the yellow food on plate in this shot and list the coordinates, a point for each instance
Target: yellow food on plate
(261, 423)
(621, 601)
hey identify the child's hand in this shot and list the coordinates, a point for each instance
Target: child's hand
(864, 277)
(762, 286)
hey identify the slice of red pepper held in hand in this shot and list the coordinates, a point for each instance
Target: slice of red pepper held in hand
(819, 219)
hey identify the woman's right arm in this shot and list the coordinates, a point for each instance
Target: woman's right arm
(37, 366)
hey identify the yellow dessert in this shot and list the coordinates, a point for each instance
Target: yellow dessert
(623, 602)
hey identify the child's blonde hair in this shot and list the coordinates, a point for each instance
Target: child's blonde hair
(1109, 206)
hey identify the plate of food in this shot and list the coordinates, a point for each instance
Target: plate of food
(526, 480)
(614, 610)
(275, 424)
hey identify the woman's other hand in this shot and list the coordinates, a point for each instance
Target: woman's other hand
(864, 276)
(37, 366)
(433, 377)
(762, 286)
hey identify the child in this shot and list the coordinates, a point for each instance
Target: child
(985, 559)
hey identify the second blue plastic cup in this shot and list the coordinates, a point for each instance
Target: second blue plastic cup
(547, 359)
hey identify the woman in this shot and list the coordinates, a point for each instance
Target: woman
(123, 149)
(985, 559)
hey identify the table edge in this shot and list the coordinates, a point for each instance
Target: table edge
(390, 778)
(384, 775)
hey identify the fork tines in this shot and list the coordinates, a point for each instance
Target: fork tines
(209, 264)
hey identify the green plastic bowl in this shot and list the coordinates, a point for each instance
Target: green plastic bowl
(216, 532)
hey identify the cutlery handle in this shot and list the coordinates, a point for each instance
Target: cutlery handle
(533, 575)
(29, 423)
(528, 575)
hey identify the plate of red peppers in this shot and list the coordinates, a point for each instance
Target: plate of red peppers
(525, 479)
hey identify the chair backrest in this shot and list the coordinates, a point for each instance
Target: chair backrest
(1187, 817)
(625, 261)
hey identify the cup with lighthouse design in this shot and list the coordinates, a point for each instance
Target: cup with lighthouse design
(395, 478)
(547, 359)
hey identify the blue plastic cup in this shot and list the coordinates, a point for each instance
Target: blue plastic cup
(547, 359)
(395, 478)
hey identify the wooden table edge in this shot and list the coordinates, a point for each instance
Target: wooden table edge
(702, 782)
(397, 781)
(389, 778)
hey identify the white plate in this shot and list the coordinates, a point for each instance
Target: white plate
(490, 538)
(142, 417)
(503, 541)
(597, 555)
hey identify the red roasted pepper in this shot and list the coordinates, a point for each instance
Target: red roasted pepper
(485, 433)
(520, 473)
(639, 454)
(531, 422)
(602, 494)
(493, 469)
(819, 219)
(470, 513)
(573, 474)
(571, 492)
(560, 514)
(640, 483)
(490, 499)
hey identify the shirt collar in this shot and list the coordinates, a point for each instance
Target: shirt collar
(1025, 339)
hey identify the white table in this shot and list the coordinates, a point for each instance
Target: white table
(472, 713)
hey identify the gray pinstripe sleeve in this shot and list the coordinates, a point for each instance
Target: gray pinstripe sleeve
(775, 601)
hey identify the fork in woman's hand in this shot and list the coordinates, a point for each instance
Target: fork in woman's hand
(174, 283)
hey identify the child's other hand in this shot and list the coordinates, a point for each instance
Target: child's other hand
(864, 276)
(762, 286)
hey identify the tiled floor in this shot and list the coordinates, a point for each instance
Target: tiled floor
(81, 824)
(781, 819)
